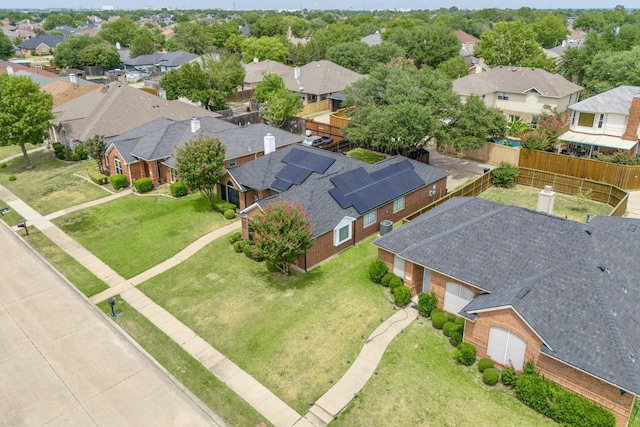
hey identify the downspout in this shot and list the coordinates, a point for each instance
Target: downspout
(129, 169)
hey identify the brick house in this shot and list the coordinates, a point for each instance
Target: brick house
(532, 286)
(346, 198)
(43, 44)
(148, 150)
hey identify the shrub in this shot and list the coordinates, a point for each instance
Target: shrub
(465, 353)
(236, 236)
(395, 282)
(143, 185)
(271, 266)
(252, 252)
(118, 181)
(451, 317)
(438, 320)
(529, 367)
(446, 328)
(460, 322)
(485, 363)
(437, 310)
(178, 189)
(79, 153)
(401, 295)
(12, 178)
(386, 279)
(490, 376)
(377, 270)
(455, 337)
(221, 206)
(230, 213)
(3, 165)
(560, 405)
(97, 177)
(427, 303)
(509, 376)
(239, 246)
(505, 175)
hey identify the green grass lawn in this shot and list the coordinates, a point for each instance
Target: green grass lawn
(564, 206)
(365, 155)
(134, 233)
(293, 334)
(82, 278)
(199, 380)
(10, 150)
(50, 186)
(419, 384)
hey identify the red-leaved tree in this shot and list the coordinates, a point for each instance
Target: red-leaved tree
(282, 233)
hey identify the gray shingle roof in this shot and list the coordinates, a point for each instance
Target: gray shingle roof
(168, 59)
(515, 80)
(255, 71)
(616, 101)
(574, 284)
(51, 40)
(321, 78)
(325, 213)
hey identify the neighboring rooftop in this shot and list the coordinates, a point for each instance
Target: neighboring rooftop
(615, 101)
(51, 40)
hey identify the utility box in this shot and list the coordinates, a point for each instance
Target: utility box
(385, 227)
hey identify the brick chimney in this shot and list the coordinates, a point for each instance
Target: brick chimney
(631, 131)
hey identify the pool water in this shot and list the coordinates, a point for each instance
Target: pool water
(508, 142)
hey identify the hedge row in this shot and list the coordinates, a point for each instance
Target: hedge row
(221, 206)
(97, 177)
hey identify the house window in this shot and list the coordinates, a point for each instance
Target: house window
(232, 163)
(586, 119)
(118, 166)
(456, 297)
(573, 118)
(534, 122)
(398, 204)
(600, 121)
(370, 218)
(504, 96)
(174, 174)
(512, 118)
(506, 348)
(342, 232)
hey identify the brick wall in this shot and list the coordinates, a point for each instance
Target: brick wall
(321, 250)
(631, 130)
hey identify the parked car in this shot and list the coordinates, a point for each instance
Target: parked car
(317, 141)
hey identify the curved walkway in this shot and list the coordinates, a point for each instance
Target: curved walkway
(253, 392)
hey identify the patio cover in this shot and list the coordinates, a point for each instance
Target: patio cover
(614, 142)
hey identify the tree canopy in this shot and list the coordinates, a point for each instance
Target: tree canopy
(6, 47)
(200, 164)
(100, 54)
(122, 31)
(25, 113)
(263, 48)
(68, 54)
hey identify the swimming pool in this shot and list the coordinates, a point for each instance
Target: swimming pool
(509, 142)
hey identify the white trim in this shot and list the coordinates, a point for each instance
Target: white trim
(250, 208)
(347, 221)
(404, 205)
(375, 218)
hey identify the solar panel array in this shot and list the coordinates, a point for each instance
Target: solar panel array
(299, 165)
(365, 191)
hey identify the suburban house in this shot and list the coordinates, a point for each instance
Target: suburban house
(67, 89)
(255, 71)
(43, 44)
(532, 286)
(149, 150)
(346, 199)
(161, 61)
(115, 109)
(317, 80)
(10, 67)
(372, 39)
(467, 46)
(605, 123)
(519, 92)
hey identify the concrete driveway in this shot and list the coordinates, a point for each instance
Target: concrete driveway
(460, 170)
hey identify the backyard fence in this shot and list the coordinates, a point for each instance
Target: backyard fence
(492, 153)
(314, 107)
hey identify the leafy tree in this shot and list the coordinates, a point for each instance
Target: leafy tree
(96, 148)
(281, 106)
(385, 52)
(299, 26)
(270, 84)
(263, 48)
(100, 54)
(551, 30)
(473, 125)
(142, 43)
(66, 54)
(517, 127)
(200, 164)
(427, 45)
(271, 25)
(454, 68)
(6, 47)
(25, 112)
(534, 141)
(282, 233)
(54, 20)
(351, 55)
(190, 36)
(122, 31)
(610, 69)
(512, 44)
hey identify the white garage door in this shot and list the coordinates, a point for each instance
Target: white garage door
(398, 266)
(506, 348)
(456, 297)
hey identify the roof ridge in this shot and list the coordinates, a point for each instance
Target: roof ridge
(103, 106)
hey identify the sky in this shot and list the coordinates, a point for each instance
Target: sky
(328, 4)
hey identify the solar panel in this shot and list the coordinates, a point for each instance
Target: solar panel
(299, 164)
(391, 170)
(281, 185)
(352, 180)
(293, 174)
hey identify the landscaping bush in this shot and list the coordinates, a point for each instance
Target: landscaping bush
(401, 296)
(386, 279)
(143, 185)
(230, 213)
(451, 317)
(79, 153)
(377, 270)
(272, 267)
(529, 367)
(118, 181)
(427, 303)
(395, 282)
(12, 178)
(436, 310)
(561, 405)
(97, 177)
(178, 189)
(252, 252)
(446, 328)
(236, 236)
(221, 206)
(455, 337)
(490, 376)
(485, 363)
(3, 165)
(438, 320)
(505, 175)
(239, 246)
(465, 353)
(509, 376)
(460, 322)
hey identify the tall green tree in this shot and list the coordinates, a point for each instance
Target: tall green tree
(454, 68)
(351, 55)
(282, 233)
(612, 69)
(281, 106)
(200, 164)
(270, 84)
(142, 43)
(122, 31)
(6, 47)
(426, 45)
(551, 30)
(25, 113)
(101, 54)
(96, 149)
(66, 54)
(263, 48)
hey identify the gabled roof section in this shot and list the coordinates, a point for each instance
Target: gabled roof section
(165, 59)
(614, 101)
(320, 78)
(465, 37)
(515, 80)
(51, 40)
(299, 165)
(255, 71)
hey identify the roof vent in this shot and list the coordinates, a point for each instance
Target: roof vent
(632, 228)
(588, 232)
(523, 292)
(604, 269)
(632, 357)
(613, 312)
(625, 290)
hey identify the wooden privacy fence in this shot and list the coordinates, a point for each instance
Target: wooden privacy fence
(339, 119)
(622, 176)
(241, 95)
(324, 129)
(601, 192)
(314, 107)
(492, 153)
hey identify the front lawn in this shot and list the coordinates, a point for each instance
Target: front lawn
(10, 150)
(190, 372)
(293, 334)
(365, 155)
(50, 186)
(564, 206)
(134, 233)
(419, 384)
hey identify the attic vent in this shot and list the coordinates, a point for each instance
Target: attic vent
(604, 269)
(523, 292)
(588, 232)
(632, 228)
